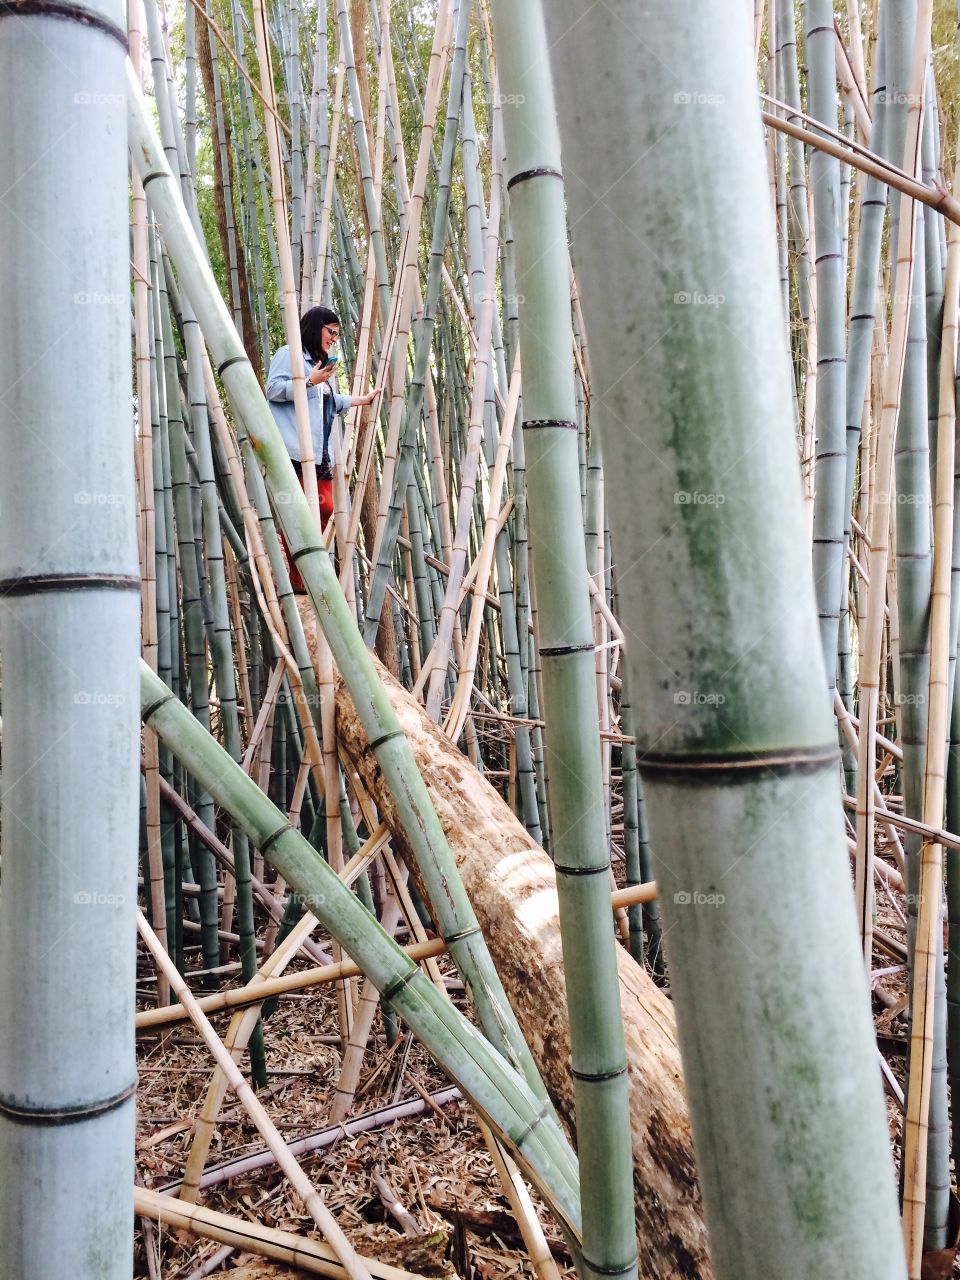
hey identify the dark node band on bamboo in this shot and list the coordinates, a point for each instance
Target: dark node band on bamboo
(451, 938)
(50, 1116)
(377, 743)
(228, 362)
(35, 583)
(559, 650)
(597, 1077)
(66, 13)
(542, 424)
(741, 765)
(273, 837)
(153, 707)
(611, 1271)
(392, 988)
(580, 871)
(827, 257)
(526, 1131)
(544, 171)
(304, 551)
(157, 173)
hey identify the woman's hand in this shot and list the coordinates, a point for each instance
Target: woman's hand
(367, 399)
(320, 374)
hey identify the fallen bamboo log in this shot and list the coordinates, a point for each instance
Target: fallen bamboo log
(511, 883)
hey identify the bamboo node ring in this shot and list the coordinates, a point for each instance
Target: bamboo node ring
(392, 988)
(66, 1115)
(597, 1077)
(526, 1131)
(33, 584)
(67, 12)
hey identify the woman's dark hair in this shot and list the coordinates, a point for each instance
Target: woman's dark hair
(311, 324)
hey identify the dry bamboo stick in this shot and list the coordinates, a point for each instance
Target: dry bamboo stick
(269, 1242)
(935, 198)
(304, 980)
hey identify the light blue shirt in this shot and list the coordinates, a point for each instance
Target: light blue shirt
(280, 397)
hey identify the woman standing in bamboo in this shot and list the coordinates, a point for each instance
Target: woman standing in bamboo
(319, 333)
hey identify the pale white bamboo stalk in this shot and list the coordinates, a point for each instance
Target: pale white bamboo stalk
(148, 542)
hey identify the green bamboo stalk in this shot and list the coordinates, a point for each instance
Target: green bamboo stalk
(579, 838)
(739, 762)
(831, 444)
(193, 625)
(69, 632)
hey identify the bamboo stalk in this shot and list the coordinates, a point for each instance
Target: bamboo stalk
(70, 596)
(926, 953)
(711, 769)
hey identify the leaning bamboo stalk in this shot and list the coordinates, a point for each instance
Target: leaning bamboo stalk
(502, 1094)
(935, 198)
(926, 950)
(451, 904)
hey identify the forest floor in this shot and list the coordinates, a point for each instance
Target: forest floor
(436, 1162)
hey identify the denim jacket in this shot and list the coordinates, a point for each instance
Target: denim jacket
(323, 401)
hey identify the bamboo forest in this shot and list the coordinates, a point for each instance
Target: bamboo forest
(479, 624)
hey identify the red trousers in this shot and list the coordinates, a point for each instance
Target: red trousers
(325, 490)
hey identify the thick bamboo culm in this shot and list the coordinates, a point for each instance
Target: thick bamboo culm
(616, 282)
